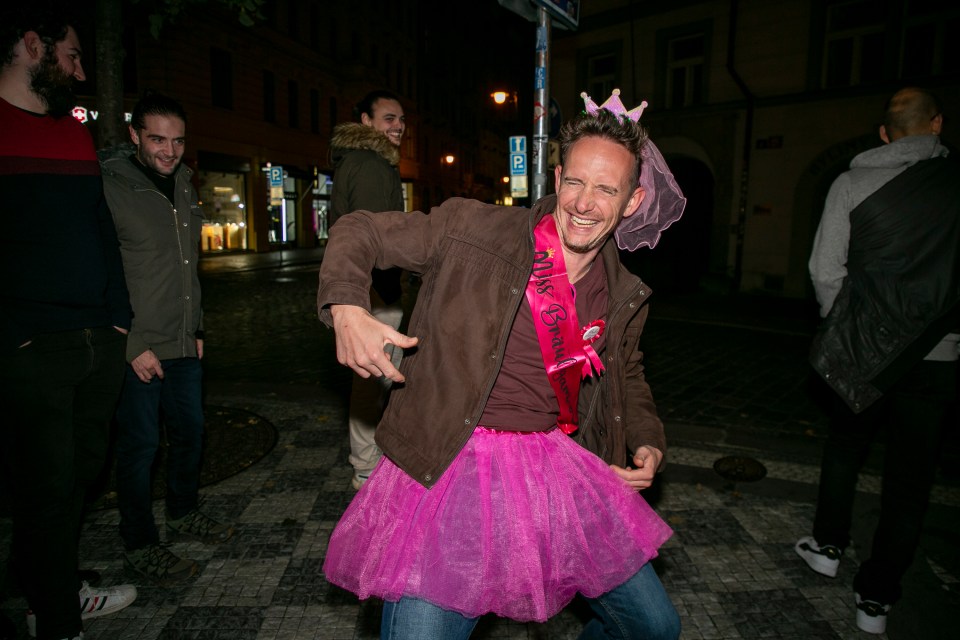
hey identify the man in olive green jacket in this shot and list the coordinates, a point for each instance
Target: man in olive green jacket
(366, 156)
(158, 220)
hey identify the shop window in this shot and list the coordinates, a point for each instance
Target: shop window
(282, 212)
(224, 211)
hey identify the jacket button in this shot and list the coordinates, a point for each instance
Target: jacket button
(428, 477)
(602, 433)
(633, 304)
(493, 356)
(609, 358)
(616, 419)
(467, 421)
(184, 224)
(186, 262)
(186, 297)
(514, 291)
(643, 293)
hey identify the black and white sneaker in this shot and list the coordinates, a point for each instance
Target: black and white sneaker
(871, 615)
(824, 560)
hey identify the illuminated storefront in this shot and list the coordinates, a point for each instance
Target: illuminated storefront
(224, 211)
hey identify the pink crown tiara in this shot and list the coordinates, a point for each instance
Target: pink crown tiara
(614, 106)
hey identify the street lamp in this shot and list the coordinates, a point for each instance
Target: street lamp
(499, 96)
(448, 159)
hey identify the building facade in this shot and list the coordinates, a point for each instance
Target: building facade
(757, 106)
(262, 102)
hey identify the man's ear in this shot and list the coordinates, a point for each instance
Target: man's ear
(634, 202)
(936, 124)
(134, 136)
(883, 135)
(33, 45)
(365, 120)
(557, 172)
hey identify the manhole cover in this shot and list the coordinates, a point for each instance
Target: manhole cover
(740, 469)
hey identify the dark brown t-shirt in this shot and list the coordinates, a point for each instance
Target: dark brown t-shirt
(522, 398)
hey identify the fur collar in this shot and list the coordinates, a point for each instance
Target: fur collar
(352, 136)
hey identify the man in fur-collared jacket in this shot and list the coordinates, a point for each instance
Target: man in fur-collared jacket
(366, 177)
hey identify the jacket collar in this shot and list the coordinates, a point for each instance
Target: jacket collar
(123, 168)
(352, 136)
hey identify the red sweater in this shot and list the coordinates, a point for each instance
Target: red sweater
(61, 266)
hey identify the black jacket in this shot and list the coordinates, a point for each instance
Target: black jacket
(902, 290)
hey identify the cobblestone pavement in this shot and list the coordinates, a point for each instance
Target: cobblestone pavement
(728, 382)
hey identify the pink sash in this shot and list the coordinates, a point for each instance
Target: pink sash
(567, 354)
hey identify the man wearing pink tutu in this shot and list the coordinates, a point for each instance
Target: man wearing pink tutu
(525, 332)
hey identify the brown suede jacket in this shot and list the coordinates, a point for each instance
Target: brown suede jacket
(475, 260)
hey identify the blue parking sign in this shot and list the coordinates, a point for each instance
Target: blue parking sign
(276, 176)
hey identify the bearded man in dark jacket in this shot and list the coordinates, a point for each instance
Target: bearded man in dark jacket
(366, 156)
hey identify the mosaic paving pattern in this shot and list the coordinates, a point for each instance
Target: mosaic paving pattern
(729, 568)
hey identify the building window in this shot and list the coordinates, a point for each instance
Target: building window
(315, 27)
(314, 111)
(601, 74)
(293, 104)
(269, 96)
(854, 43)
(221, 78)
(929, 46)
(293, 19)
(598, 69)
(686, 57)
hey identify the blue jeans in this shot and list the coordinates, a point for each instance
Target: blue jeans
(178, 395)
(639, 608)
(59, 392)
(912, 416)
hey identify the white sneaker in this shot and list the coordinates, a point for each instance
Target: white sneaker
(871, 615)
(102, 601)
(824, 560)
(359, 479)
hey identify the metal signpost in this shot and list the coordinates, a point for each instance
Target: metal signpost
(567, 14)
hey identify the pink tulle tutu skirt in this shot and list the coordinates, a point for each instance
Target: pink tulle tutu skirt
(517, 525)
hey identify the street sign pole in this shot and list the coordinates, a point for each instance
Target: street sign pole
(541, 104)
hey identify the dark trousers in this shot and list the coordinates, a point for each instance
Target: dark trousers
(60, 392)
(912, 416)
(178, 397)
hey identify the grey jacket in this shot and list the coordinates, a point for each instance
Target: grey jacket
(160, 246)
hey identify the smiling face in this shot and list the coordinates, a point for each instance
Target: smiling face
(595, 191)
(387, 118)
(160, 143)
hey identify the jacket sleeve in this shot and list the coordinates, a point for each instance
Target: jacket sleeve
(117, 296)
(643, 426)
(362, 240)
(828, 259)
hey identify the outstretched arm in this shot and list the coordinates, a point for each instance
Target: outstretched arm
(361, 339)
